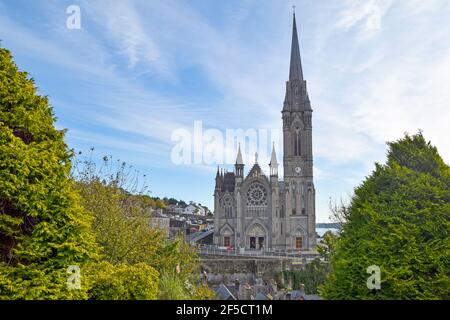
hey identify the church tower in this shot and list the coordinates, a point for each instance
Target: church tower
(297, 146)
(258, 212)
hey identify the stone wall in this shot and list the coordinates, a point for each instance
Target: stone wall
(246, 270)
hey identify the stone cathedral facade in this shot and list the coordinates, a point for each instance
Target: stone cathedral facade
(259, 212)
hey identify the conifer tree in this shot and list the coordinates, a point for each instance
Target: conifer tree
(43, 228)
(398, 220)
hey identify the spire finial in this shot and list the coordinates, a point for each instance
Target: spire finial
(256, 157)
(293, 9)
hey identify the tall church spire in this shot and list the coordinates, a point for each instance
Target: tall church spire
(296, 93)
(296, 72)
(239, 156)
(239, 166)
(273, 163)
(273, 158)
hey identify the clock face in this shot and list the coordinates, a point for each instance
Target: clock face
(298, 170)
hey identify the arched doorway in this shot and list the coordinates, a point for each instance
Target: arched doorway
(256, 237)
(227, 236)
(299, 239)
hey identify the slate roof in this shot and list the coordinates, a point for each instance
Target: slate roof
(223, 293)
(261, 296)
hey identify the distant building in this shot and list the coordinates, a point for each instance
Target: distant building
(194, 209)
(174, 209)
(161, 223)
(177, 227)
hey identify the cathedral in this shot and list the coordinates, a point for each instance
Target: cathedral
(260, 212)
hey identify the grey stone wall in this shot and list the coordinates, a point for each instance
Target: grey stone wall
(246, 270)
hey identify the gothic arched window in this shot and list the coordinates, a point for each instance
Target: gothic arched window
(297, 142)
(303, 200)
(227, 205)
(294, 199)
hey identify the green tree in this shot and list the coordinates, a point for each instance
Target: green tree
(123, 282)
(326, 247)
(182, 204)
(399, 220)
(43, 228)
(172, 201)
(160, 204)
(313, 274)
(122, 229)
(124, 232)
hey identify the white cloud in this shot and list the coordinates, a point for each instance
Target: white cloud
(121, 22)
(395, 83)
(370, 12)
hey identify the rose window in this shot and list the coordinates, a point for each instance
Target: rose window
(256, 195)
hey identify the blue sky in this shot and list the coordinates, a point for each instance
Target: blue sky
(138, 70)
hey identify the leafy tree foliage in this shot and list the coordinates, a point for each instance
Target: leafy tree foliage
(399, 220)
(327, 246)
(125, 234)
(313, 275)
(173, 286)
(43, 228)
(46, 227)
(123, 282)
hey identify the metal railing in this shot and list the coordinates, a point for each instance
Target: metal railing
(266, 253)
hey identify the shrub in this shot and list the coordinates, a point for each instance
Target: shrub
(122, 282)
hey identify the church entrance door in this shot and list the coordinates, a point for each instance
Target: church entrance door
(252, 243)
(260, 243)
(256, 236)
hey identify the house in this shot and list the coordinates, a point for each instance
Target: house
(174, 209)
(177, 226)
(194, 209)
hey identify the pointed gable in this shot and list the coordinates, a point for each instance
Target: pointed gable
(256, 171)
